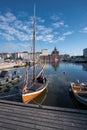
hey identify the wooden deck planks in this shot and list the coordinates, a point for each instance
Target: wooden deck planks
(20, 116)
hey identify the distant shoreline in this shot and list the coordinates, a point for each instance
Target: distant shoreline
(5, 65)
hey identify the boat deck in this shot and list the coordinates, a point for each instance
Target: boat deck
(36, 87)
(19, 116)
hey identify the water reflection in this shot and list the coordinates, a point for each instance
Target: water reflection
(45, 65)
(55, 65)
(7, 89)
(58, 89)
(84, 67)
(77, 103)
(40, 99)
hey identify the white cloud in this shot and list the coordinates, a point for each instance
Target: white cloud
(40, 27)
(12, 29)
(58, 24)
(55, 17)
(40, 20)
(40, 37)
(15, 29)
(45, 33)
(68, 33)
(46, 38)
(8, 17)
(7, 36)
(21, 32)
(84, 30)
(49, 38)
(43, 29)
(62, 38)
(14, 47)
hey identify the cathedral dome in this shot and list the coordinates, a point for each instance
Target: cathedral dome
(55, 52)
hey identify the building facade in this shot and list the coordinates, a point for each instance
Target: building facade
(53, 57)
(44, 52)
(85, 52)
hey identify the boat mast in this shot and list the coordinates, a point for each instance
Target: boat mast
(34, 40)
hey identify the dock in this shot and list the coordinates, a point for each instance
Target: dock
(20, 116)
(10, 65)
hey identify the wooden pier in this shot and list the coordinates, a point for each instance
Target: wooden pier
(19, 116)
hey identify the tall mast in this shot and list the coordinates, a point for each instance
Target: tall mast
(34, 39)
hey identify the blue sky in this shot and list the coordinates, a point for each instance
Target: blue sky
(59, 23)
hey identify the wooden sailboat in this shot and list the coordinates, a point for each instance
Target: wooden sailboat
(39, 83)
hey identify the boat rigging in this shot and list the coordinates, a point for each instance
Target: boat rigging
(39, 83)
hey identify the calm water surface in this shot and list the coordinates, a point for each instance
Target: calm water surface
(57, 94)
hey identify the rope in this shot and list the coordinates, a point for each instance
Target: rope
(9, 95)
(37, 103)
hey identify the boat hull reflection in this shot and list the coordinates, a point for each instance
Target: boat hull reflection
(40, 98)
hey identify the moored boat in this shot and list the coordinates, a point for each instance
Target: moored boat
(39, 83)
(33, 93)
(7, 77)
(36, 87)
(16, 76)
(80, 92)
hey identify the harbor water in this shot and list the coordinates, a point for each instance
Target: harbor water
(59, 75)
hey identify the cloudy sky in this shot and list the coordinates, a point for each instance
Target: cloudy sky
(59, 23)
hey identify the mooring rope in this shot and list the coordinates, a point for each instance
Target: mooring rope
(37, 103)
